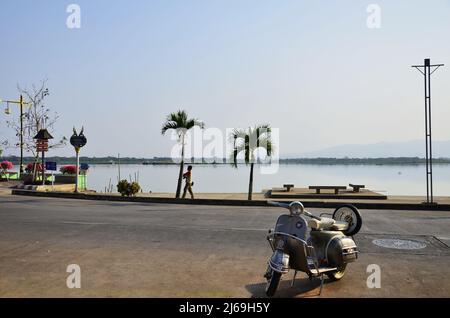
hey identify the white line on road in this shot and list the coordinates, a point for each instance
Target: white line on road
(246, 229)
(86, 223)
(172, 227)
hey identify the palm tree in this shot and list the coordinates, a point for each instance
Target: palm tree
(179, 121)
(247, 141)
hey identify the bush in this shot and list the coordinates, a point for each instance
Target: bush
(6, 165)
(128, 189)
(72, 169)
(68, 169)
(122, 187)
(134, 188)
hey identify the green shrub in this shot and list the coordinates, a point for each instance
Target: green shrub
(134, 188)
(128, 189)
(122, 187)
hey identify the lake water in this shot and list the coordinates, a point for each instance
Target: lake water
(391, 180)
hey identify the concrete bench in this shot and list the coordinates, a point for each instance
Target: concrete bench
(288, 187)
(335, 188)
(357, 187)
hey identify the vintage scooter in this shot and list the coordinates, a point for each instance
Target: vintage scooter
(328, 249)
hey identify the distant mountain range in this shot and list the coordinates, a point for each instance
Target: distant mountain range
(414, 148)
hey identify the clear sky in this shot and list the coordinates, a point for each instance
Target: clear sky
(311, 68)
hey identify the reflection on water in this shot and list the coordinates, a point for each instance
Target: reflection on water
(393, 180)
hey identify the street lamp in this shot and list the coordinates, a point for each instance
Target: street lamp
(20, 103)
(427, 69)
(7, 109)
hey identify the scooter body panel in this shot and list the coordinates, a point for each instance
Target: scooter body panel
(294, 225)
(321, 239)
(286, 254)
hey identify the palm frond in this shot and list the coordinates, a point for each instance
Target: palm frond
(237, 134)
(179, 120)
(169, 125)
(194, 122)
(247, 141)
(233, 157)
(267, 144)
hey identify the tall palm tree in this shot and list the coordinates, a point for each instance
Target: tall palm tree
(180, 122)
(247, 141)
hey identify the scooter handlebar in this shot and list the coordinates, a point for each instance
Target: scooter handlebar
(312, 215)
(278, 204)
(287, 205)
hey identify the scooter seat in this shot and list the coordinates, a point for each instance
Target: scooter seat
(327, 224)
(339, 226)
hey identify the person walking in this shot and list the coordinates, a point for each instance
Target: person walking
(188, 185)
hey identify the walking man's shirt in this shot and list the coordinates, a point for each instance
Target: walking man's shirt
(188, 184)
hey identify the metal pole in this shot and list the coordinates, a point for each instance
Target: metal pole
(118, 166)
(21, 134)
(77, 150)
(429, 131)
(43, 168)
(427, 72)
(426, 136)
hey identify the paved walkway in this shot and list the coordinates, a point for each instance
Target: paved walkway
(5, 189)
(260, 196)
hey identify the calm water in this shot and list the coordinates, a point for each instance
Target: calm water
(393, 180)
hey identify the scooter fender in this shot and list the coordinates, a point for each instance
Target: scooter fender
(279, 262)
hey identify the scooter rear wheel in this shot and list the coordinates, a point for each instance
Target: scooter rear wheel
(337, 275)
(272, 283)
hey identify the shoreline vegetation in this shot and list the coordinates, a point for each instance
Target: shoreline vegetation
(198, 161)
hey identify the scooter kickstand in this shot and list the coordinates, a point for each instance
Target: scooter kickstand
(321, 284)
(293, 279)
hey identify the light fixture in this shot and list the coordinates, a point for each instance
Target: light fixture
(7, 109)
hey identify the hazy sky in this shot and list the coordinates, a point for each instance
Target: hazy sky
(311, 68)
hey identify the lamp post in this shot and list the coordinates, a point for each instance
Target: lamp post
(20, 103)
(78, 141)
(427, 69)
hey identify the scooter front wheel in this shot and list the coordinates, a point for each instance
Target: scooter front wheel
(272, 283)
(337, 275)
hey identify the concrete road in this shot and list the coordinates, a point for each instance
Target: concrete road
(155, 250)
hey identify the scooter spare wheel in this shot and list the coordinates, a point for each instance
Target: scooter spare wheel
(349, 214)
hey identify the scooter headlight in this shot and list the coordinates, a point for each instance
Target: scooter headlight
(296, 208)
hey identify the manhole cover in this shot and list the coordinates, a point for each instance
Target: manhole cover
(399, 244)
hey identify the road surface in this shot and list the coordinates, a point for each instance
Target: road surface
(162, 250)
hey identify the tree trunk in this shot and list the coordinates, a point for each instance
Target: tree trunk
(180, 179)
(35, 172)
(180, 175)
(250, 183)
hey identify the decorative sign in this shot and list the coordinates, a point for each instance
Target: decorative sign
(50, 166)
(42, 145)
(78, 140)
(42, 138)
